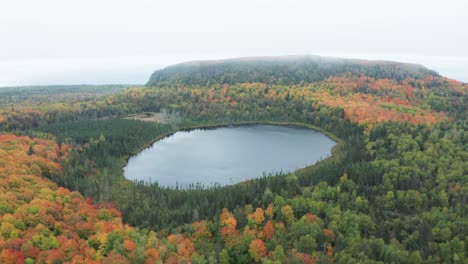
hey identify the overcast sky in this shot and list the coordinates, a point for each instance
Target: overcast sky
(112, 41)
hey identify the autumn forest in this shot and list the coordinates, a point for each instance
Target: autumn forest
(393, 191)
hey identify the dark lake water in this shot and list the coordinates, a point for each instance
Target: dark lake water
(227, 155)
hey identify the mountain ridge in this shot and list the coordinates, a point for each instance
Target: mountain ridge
(290, 69)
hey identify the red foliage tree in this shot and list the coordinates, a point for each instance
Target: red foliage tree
(257, 249)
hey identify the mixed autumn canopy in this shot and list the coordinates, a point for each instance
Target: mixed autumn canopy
(394, 189)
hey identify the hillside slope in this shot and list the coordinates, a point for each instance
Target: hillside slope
(394, 191)
(41, 222)
(282, 70)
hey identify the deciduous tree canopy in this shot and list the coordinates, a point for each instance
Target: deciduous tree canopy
(394, 190)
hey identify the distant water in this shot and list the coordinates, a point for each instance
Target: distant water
(227, 155)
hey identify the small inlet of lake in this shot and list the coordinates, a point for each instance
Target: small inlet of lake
(227, 155)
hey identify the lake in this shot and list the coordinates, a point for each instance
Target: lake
(227, 155)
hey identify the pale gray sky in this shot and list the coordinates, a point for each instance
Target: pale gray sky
(117, 41)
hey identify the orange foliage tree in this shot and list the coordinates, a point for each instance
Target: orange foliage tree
(257, 249)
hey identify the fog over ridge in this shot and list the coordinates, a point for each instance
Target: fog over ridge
(120, 41)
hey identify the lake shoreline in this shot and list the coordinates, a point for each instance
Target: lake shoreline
(334, 150)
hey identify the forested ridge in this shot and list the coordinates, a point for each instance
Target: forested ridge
(282, 70)
(394, 190)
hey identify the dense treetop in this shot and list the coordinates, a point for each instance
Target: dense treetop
(26, 95)
(41, 222)
(394, 190)
(282, 70)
